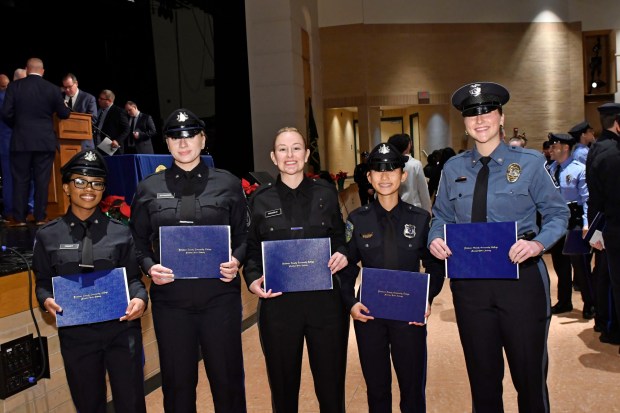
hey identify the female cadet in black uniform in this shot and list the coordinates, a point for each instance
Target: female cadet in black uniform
(193, 314)
(62, 248)
(400, 247)
(297, 207)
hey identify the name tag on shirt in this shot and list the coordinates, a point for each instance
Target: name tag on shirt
(165, 195)
(69, 246)
(273, 213)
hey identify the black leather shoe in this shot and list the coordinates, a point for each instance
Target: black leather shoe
(561, 308)
(609, 338)
(588, 312)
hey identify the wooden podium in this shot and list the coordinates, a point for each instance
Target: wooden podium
(71, 132)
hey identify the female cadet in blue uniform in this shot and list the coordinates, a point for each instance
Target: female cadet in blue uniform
(297, 207)
(369, 241)
(193, 314)
(89, 350)
(492, 314)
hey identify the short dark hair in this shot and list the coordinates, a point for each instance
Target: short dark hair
(400, 141)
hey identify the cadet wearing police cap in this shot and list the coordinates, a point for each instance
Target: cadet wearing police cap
(85, 240)
(602, 168)
(193, 314)
(570, 177)
(584, 136)
(392, 234)
(495, 315)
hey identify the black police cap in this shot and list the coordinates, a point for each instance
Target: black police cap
(479, 98)
(385, 157)
(182, 123)
(578, 129)
(561, 138)
(87, 163)
(609, 108)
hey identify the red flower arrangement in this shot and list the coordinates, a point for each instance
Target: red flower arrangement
(247, 188)
(339, 175)
(115, 207)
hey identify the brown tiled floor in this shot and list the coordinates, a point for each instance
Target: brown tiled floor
(583, 373)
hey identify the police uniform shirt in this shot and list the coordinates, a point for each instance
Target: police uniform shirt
(580, 152)
(58, 251)
(519, 185)
(572, 183)
(271, 220)
(365, 235)
(219, 201)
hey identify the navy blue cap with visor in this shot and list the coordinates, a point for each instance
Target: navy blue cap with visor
(385, 157)
(87, 163)
(564, 138)
(479, 98)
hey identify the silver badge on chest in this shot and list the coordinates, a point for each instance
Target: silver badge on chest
(409, 231)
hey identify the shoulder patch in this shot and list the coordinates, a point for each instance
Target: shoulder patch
(349, 230)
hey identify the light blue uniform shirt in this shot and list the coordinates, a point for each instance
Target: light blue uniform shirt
(573, 185)
(580, 152)
(519, 185)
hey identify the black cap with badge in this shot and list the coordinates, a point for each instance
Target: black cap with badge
(578, 129)
(564, 138)
(182, 123)
(479, 98)
(385, 157)
(87, 163)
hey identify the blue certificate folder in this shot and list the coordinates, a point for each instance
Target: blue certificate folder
(480, 250)
(574, 244)
(194, 251)
(297, 265)
(91, 297)
(395, 295)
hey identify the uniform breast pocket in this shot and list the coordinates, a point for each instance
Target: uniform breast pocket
(63, 257)
(273, 228)
(369, 244)
(512, 198)
(213, 212)
(163, 211)
(461, 198)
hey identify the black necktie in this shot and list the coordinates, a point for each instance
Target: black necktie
(479, 203)
(70, 102)
(188, 200)
(556, 175)
(87, 247)
(390, 250)
(132, 124)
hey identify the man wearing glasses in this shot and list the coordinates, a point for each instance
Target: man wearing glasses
(112, 122)
(79, 101)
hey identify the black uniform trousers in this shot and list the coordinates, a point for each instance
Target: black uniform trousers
(490, 318)
(605, 318)
(376, 339)
(611, 235)
(27, 166)
(568, 266)
(283, 323)
(215, 325)
(91, 349)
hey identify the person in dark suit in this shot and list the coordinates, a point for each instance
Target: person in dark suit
(141, 131)
(112, 121)
(79, 101)
(29, 107)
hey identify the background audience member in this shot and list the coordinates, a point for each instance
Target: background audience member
(5, 146)
(570, 177)
(414, 189)
(29, 106)
(112, 121)
(79, 101)
(141, 131)
(364, 188)
(583, 134)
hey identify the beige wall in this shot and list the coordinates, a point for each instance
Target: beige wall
(384, 65)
